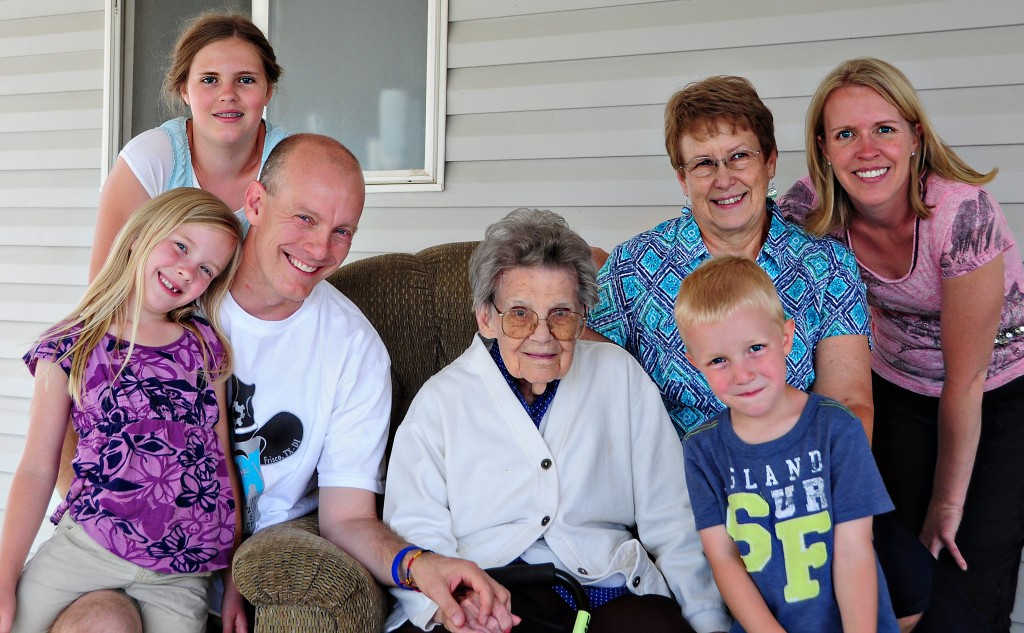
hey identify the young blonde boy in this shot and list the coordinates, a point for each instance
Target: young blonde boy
(783, 485)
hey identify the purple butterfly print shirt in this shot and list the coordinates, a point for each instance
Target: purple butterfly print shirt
(150, 476)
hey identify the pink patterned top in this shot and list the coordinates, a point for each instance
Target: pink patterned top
(151, 481)
(966, 230)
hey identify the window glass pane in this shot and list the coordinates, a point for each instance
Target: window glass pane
(356, 71)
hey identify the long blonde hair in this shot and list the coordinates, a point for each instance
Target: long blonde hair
(835, 209)
(123, 277)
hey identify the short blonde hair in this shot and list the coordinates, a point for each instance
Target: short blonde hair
(721, 286)
(835, 209)
(123, 276)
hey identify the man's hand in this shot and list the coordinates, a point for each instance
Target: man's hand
(487, 604)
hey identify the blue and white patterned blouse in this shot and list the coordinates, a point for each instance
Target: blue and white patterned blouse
(817, 281)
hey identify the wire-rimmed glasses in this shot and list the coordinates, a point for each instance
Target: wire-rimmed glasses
(737, 160)
(519, 322)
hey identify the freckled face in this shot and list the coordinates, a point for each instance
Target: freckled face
(743, 358)
(869, 145)
(539, 358)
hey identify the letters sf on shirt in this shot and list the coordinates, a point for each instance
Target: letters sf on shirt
(758, 525)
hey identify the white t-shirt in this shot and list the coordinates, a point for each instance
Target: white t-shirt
(161, 159)
(151, 158)
(310, 400)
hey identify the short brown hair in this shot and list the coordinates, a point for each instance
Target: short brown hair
(700, 107)
(205, 29)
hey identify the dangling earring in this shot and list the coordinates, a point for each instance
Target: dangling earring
(686, 200)
(772, 191)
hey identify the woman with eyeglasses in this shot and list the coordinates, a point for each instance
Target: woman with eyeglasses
(536, 447)
(720, 139)
(945, 280)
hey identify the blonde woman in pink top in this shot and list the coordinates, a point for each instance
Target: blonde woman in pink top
(944, 280)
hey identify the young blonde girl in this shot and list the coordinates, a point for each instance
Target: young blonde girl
(151, 506)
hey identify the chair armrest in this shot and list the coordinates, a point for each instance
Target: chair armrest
(289, 565)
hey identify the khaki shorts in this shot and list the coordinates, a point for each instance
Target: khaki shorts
(71, 564)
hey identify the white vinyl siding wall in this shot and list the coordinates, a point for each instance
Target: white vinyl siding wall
(551, 103)
(51, 116)
(559, 105)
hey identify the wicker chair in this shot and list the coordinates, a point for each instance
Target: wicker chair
(420, 305)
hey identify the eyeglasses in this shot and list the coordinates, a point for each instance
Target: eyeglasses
(519, 322)
(737, 160)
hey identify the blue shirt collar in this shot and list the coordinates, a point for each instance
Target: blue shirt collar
(772, 251)
(540, 404)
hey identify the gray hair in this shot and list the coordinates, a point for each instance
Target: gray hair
(527, 238)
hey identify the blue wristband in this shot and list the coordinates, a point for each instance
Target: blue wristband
(396, 564)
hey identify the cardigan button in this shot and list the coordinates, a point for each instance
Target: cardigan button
(545, 464)
(636, 581)
(545, 520)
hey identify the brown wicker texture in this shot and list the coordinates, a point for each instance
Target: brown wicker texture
(298, 581)
(421, 307)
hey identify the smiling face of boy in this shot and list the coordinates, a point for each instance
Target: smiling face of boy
(743, 358)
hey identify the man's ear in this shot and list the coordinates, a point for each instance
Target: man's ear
(255, 196)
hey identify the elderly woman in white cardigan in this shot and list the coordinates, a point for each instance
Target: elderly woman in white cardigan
(536, 447)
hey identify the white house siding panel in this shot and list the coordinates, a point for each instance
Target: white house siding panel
(705, 25)
(562, 109)
(51, 104)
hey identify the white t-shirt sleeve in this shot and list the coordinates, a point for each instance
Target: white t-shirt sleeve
(353, 449)
(149, 157)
